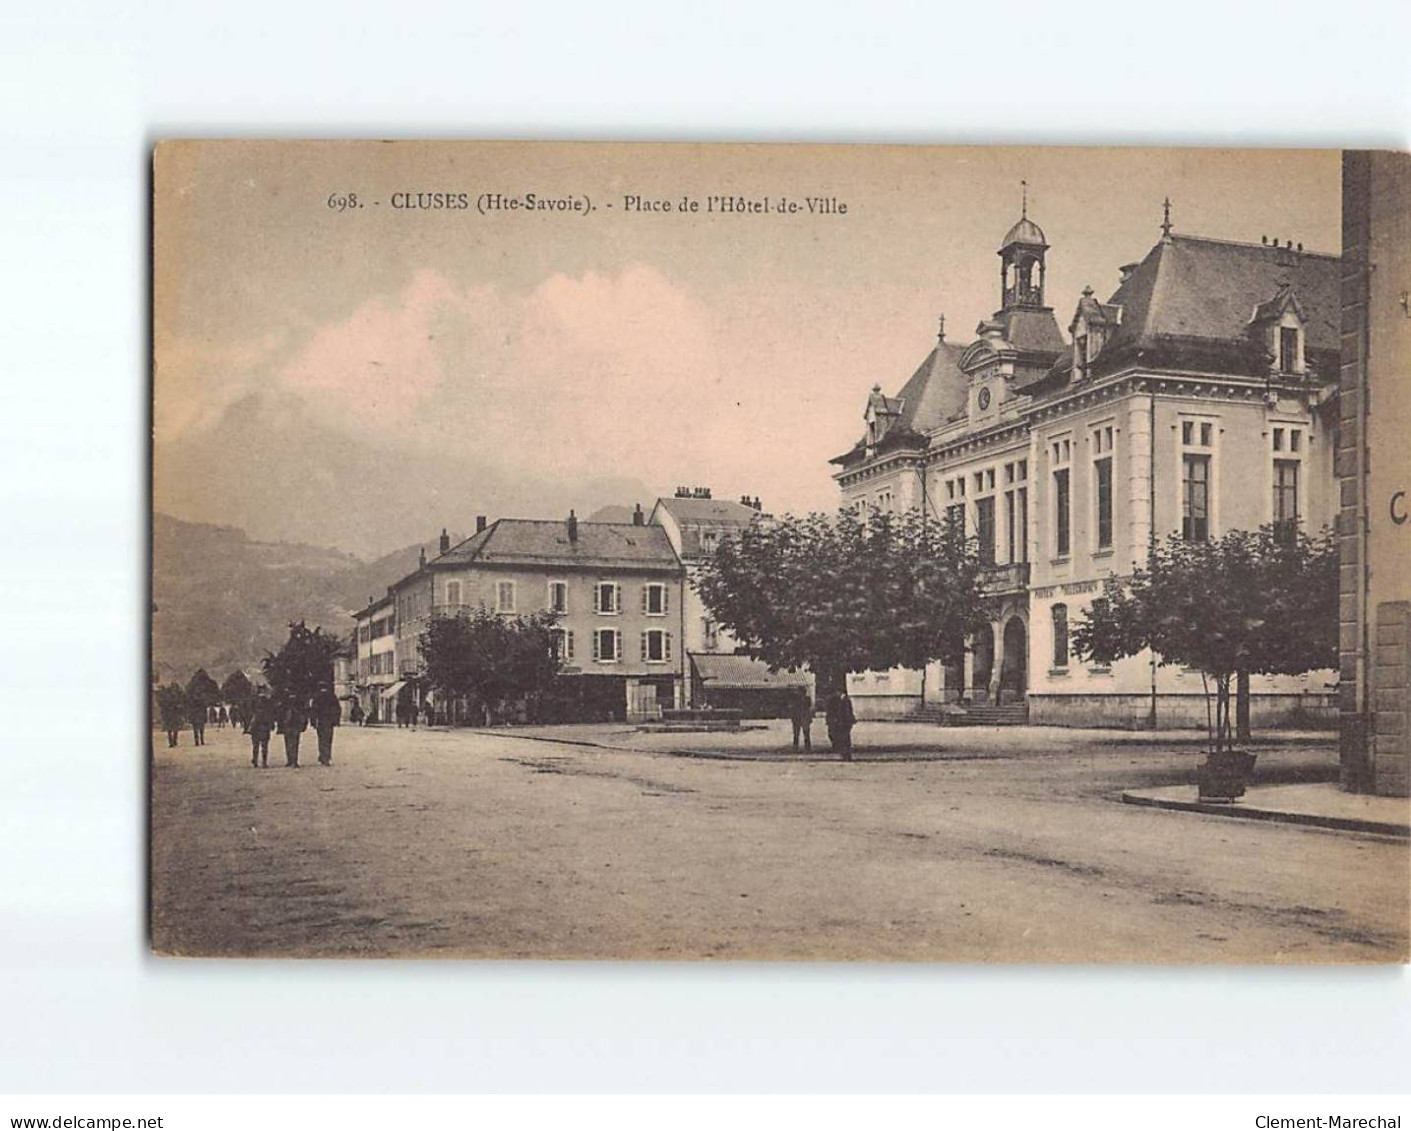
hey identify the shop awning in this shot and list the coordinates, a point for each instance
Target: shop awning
(391, 692)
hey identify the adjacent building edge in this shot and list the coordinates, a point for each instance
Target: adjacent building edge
(1374, 473)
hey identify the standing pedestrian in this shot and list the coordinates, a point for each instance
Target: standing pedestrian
(260, 717)
(801, 714)
(198, 724)
(293, 721)
(846, 719)
(327, 713)
(356, 716)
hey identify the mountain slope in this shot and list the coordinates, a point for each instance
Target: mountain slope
(221, 600)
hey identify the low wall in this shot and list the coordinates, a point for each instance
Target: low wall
(1133, 712)
(876, 708)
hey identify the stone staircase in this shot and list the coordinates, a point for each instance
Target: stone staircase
(976, 715)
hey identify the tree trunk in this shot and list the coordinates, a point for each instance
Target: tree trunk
(1242, 707)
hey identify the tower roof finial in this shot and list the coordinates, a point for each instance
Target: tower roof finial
(1166, 219)
(1024, 200)
(941, 333)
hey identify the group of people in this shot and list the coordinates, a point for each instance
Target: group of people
(176, 715)
(838, 715)
(290, 717)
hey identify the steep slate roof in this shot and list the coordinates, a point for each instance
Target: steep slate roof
(1192, 287)
(936, 391)
(535, 542)
(1032, 330)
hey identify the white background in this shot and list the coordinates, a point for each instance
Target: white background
(87, 88)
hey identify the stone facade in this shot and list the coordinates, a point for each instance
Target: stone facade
(1200, 398)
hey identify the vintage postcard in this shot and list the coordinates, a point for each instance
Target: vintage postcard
(854, 552)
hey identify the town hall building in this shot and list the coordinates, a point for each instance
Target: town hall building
(1198, 398)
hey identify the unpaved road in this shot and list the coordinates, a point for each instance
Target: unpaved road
(488, 845)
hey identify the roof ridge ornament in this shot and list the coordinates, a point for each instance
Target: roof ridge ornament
(1024, 200)
(1166, 218)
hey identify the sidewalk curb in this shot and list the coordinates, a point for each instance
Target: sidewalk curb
(1277, 816)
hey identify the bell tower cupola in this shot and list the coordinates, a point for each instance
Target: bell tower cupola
(1021, 259)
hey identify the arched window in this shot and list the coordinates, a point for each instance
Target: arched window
(1060, 636)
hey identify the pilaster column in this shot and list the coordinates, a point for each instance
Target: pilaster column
(1139, 472)
(997, 631)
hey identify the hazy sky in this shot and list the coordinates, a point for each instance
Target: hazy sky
(729, 350)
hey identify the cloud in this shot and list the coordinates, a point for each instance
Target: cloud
(602, 373)
(197, 379)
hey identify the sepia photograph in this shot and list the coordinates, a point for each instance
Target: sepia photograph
(639, 551)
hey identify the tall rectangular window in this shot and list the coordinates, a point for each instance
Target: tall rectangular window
(654, 599)
(504, 597)
(1286, 493)
(1021, 499)
(605, 597)
(558, 596)
(605, 646)
(955, 517)
(1103, 475)
(1288, 349)
(1195, 498)
(1062, 516)
(1009, 527)
(985, 528)
(453, 592)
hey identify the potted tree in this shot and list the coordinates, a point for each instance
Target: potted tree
(1261, 601)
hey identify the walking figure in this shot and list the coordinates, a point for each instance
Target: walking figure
(198, 725)
(261, 722)
(171, 705)
(293, 721)
(801, 714)
(356, 716)
(327, 713)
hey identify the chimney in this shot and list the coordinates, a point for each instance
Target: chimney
(757, 503)
(445, 541)
(422, 557)
(480, 524)
(638, 518)
(1264, 240)
(572, 526)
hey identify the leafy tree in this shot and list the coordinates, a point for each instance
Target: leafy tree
(202, 692)
(1253, 602)
(302, 665)
(490, 659)
(237, 689)
(848, 592)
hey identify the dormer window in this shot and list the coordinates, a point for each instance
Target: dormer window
(1080, 357)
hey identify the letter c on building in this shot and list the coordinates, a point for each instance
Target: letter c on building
(1397, 508)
